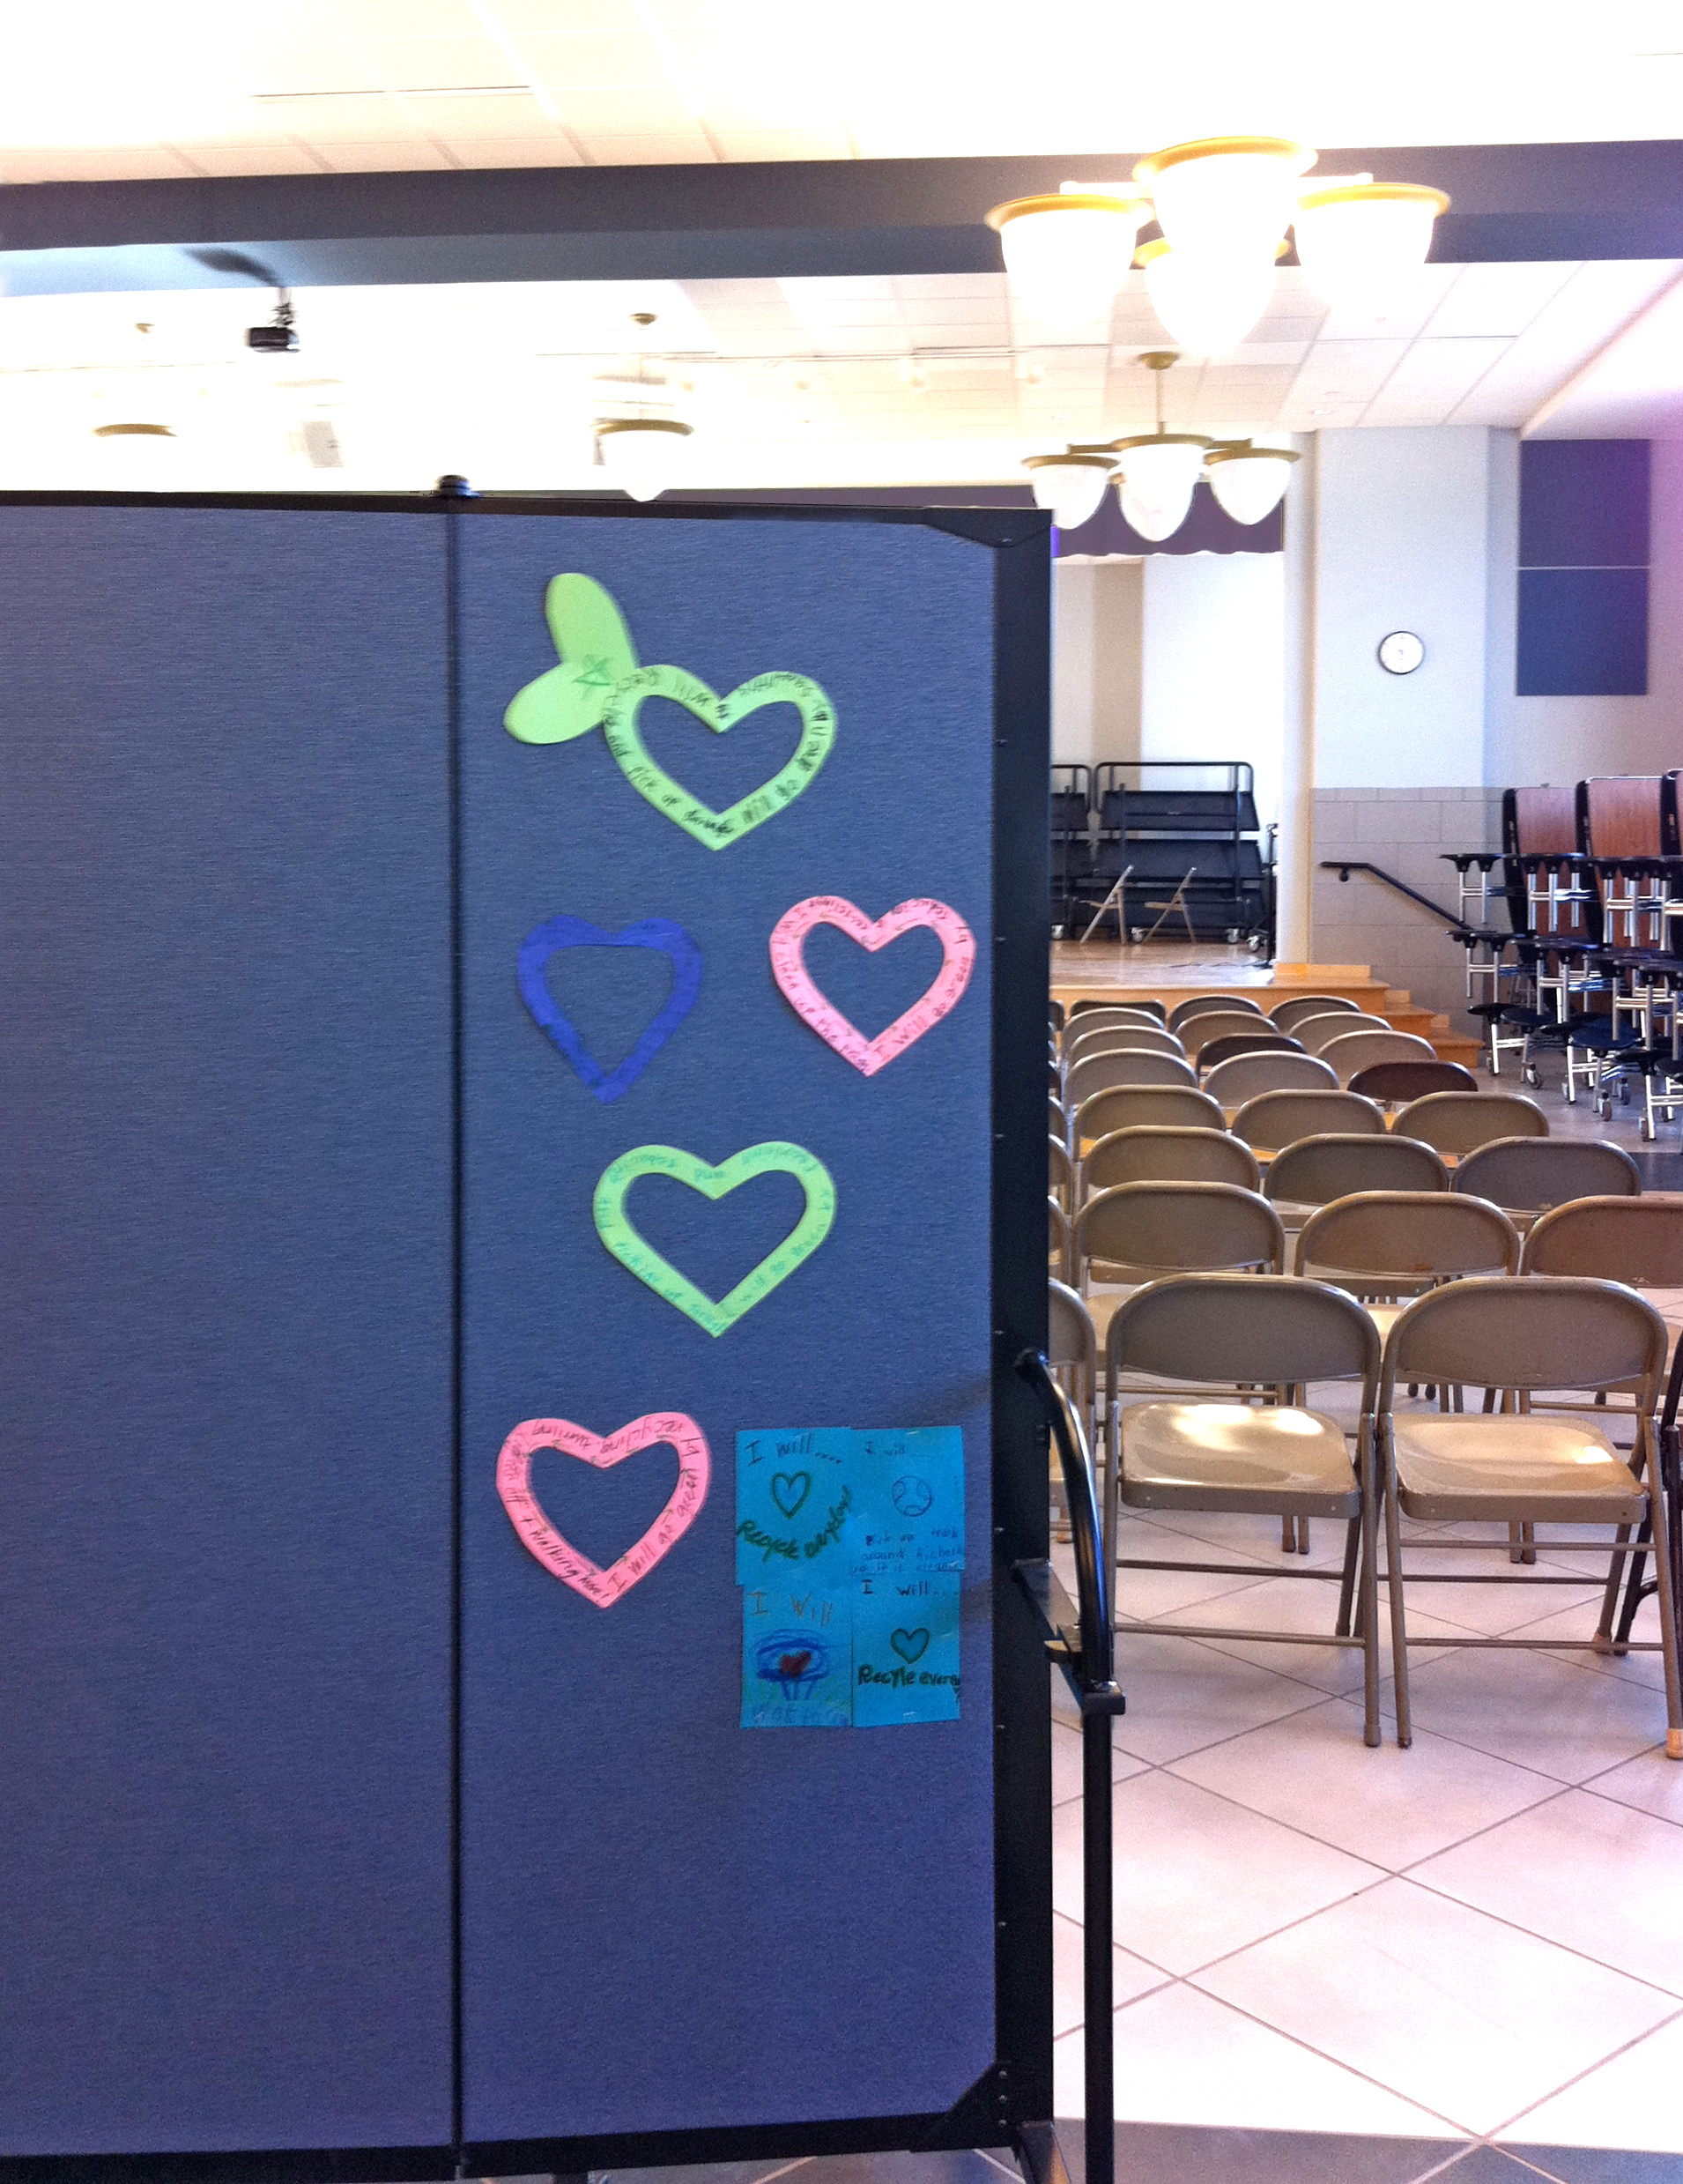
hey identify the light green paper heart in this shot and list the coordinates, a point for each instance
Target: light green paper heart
(596, 654)
(718, 829)
(661, 1276)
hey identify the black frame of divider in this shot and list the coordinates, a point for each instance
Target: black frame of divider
(1013, 2094)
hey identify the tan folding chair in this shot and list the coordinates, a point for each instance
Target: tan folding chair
(1203, 1030)
(1122, 1038)
(1100, 1073)
(1156, 1106)
(1235, 1455)
(1285, 1015)
(1316, 1170)
(1141, 1005)
(1060, 1174)
(1214, 1053)
(1057, 1119)
(1055, 1015)
(1518, 1467)
(1312, 1033)
(1525, 1177)
(1209, 1004)
(1247, 1076)
(1147, 1156)
(1461, 1122)
(1072, 1353)
(1357, 1051)
(1058, 1239)
(1096, 1020)
(1134, 1232)
(1273, 1119)
(1394, 1084)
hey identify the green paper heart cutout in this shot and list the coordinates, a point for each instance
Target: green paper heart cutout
(596, 654)
(717, 829)
(661, 1276)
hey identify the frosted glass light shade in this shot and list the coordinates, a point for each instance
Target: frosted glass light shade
(1067, 256)
(1161, 470)
(643, 455)
(1151, 522)
(1207, 303)
(1360, 244)
(1226, 196)
(1071, 485)
(1249, 483)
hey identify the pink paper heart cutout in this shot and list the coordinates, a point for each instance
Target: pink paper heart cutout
(789, 968)
(557, 1554)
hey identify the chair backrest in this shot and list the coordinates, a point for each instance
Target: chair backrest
(1118, 1038)
(1091, 1021)
(1284, 1014)
(1140, 1002)
(1070, 1336)
(1316, 1170)
(1158, 1106)
(1168, 1156)
(1395, 1083)
(1098, 1072)
(1281, 1070)
(1360, 1049)
(1461, 1122)
(1529, 1175)
(1312, 1033)
(1214, 1053)
(1204, 1029)
(1387, 1242)
(1250, 1329)
(1148, 1228)
(1563, 1333)
(1060, 1172)
(1271, 1120)
(1210, 1005)
(1058, 1237)
(1057, 1120)
(1638, 1241)
(1055, 1015)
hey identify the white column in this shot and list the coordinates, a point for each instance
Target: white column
(1295, 846)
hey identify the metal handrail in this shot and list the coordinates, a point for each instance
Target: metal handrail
(1344, 865)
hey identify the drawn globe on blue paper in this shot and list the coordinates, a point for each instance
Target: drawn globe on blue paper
(912, 1496)
(795, 1661)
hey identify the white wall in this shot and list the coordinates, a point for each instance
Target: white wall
(1211, 686)
(1536, 740)
(1402, 544)
(1096, 643)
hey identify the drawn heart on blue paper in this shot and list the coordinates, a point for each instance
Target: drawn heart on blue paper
(789, 1489)
(659, 933)
(911, 1645)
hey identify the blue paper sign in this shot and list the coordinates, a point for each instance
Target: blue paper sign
(797, 1657)
(906, 1649)
(909, 1487)
(796, 1504)
(659, 933)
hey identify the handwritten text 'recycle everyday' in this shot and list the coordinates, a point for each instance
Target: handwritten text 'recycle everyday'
(793, 1549)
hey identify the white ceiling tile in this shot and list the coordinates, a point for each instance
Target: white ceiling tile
(374, 119)
(226, 159)
(675, 147)
(516, 116)
(388, 153)
(612, 59)
(552, 150)
(310, 64)
(1434, 375)
(404, 19)
(426, 63)
(789, 144)
(1498, 299)
(130, 163)
(599, 109)
(521, 18)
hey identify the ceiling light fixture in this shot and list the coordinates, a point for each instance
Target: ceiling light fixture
(1159, 470)
(1249, 482)
(1071, 484)
(1223, 205)
(643, 455)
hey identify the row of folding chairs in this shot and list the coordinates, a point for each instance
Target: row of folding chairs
(1542, 1345)
(1130, 1045)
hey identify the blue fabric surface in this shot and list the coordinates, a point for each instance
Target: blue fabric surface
(669, 1920)
(225, 1426)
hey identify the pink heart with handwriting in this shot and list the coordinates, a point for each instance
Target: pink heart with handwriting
(789, 968)
(559, 1556)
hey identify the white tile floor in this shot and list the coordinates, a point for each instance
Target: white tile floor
(1481, 1934)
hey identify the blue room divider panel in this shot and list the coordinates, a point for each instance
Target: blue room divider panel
(670, 1920)
(226, 1403)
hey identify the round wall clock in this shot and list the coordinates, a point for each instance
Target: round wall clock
(1401, 652)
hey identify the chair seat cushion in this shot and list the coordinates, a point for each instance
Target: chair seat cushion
(1548, 1469)
(1231, 1457)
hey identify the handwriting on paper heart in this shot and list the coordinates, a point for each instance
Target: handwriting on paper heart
(911, 1645)
(789, 1489)
(596, 654)
(558, 1554)
(659, 933)
(642, 1259)
(789, 968)
(718, 829)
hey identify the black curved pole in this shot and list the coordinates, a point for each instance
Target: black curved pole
(1092, 1675)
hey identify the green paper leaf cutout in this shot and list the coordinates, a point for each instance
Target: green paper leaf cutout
(717, 830)
(596, 654)
(661, 1276)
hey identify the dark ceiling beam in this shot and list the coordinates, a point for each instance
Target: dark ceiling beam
(750, 220)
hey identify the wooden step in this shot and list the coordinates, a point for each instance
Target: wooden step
(1399, 1011)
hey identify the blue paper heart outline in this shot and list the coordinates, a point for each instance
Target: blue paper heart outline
(659, 933)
